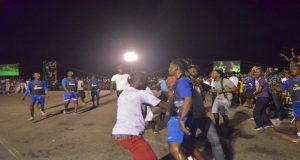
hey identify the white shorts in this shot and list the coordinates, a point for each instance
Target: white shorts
(221, 106)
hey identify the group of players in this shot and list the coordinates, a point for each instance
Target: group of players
(38, 90)
(184, 99)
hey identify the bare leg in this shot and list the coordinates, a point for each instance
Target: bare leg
(217, 119)
(75, 106)
(197, 154)
(176, 152)
(66, 106)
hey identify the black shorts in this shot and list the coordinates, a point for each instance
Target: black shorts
(249, 93)
(81, 93)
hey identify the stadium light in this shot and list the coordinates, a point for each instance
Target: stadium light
(130, 56)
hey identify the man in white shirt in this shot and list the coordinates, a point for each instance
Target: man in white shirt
(130, 124)
(120, 80)
(235, 96)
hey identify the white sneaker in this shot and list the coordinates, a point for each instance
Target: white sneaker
(30, 119)
(296, 140)
(269, 126)
(259, 129)
(64, 112)
(42, 112)
(190, 158)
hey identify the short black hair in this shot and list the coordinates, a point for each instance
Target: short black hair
(194, 66)
(181, 63)
(220, 72)
(139, 75)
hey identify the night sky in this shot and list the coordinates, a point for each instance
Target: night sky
(93, 35)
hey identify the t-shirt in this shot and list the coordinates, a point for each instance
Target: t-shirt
(198, 108)
(80, 85)
(227, 84)
(121, 81)
(249, 83)
(274, 78)
(234, 80)
(163, 85)
(261, 82)
(130, 120)
(183, 89)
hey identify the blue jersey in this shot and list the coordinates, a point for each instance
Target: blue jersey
(94, 84)
(249, 83)
(36, 87)
(70, 83)
(163, 85)
(183, 89)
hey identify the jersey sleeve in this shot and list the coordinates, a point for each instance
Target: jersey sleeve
(46, 87)
(228, 83)
(64, 82)
(149, 98)
(285, 85)
(184, 88)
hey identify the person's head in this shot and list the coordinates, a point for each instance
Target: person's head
(229, 74)
(93, 77)
(258, 73)
(193, 71)
(270, 70)
(139, 80)
(70, 73)
(295, 69)
(178, 67)
(36, 76)
(216, 74)
(120, 69)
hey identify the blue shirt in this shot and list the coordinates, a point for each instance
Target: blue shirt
(163, 85)
(64, 83)
(286, 85)
(94, 84)
(31, 83)
(183, 89)
(249, 83)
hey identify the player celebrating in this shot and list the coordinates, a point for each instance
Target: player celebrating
(37, 89)
(70, 94)
(121, 81)
(94, 87)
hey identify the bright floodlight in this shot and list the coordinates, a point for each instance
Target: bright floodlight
(130, 56)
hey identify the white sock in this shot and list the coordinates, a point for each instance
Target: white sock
(298, 133)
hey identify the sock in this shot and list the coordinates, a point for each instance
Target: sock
(298, 133)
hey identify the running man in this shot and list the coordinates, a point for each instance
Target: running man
(292, 86)
(37, 89)
(70, 87)
(94, 87)
(120, 80)
(180, 109)
(224, 89)
(130, 124)
(80, 89)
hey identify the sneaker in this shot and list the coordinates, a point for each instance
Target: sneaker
(296, 140)
(258, 129)
(42, 112)
(64, 112)
(30, 119)
(269, 126)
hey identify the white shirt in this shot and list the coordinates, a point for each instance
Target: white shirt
(130, 120)
(234, 80)
(80, 85)
(121, 81)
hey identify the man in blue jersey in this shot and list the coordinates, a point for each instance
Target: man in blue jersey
(70, 87)
(37, 89)
(293, 87)
(94, 87)
(183, 92)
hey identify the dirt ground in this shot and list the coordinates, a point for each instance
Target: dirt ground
(87, 136)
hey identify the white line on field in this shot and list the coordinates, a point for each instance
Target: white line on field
(10, 149)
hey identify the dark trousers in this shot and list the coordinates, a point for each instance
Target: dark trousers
(118, 93)
(260, 115)
(235, 99)
(277, 103)
(81, 94)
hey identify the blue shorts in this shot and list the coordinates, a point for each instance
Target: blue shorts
(38, 98)
(95, 93)
(296, 109)
(68, 97)
(175, 133)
